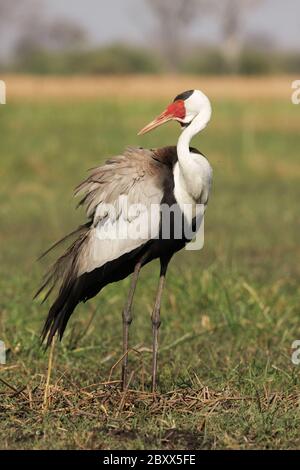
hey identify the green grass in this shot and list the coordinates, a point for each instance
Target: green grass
(230, 312)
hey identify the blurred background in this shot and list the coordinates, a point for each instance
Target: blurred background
(82, 77)
(150, 36)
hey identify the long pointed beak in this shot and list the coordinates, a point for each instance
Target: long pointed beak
(161, 119)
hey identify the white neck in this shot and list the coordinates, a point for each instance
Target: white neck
(183, 145)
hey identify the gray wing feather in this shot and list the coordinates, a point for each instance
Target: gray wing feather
(136, 174)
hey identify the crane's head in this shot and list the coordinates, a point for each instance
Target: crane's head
(184, 109)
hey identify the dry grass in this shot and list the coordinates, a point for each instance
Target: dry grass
(239, 88)
(114, 414)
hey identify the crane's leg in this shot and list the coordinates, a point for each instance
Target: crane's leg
(156, 321)
(127, 319)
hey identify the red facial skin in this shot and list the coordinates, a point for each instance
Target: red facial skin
(176, 109)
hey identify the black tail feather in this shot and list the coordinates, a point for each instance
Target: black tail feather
(59, 313)
(79, 288)
(63, 273)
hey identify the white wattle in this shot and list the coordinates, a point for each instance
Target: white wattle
(192, 172)
(194, 189)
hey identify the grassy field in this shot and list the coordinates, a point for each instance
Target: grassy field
(230, 312)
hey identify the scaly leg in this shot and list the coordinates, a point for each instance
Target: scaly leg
(156, 321)
(127, 319)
